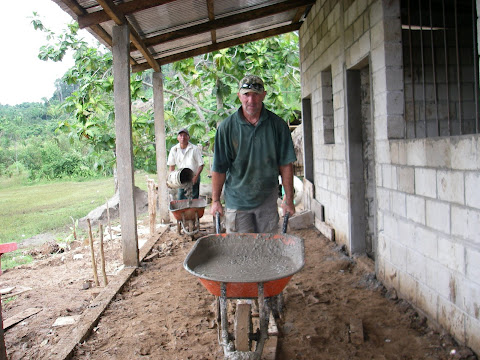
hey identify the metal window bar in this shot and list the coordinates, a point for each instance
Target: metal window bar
(475, 62)
(449, 124)
(412, 79)
(435, 90)
(459, 92)
(422, 56)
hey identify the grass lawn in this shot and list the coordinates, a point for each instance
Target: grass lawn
(28, 210)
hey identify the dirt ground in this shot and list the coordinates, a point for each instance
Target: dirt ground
(163, 312)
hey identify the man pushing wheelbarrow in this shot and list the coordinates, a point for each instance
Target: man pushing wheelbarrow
(188, 208)
(185, 155)
(252, 147)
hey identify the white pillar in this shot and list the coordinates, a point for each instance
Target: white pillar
(123, 130)
(160, 146)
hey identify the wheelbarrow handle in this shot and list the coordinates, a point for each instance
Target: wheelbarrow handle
(217, 222)
(285, 222)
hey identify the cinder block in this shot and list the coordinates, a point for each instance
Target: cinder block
(465, 223)
(440, 278)
(426, 182)
(405, 179)
(301, 220)
(471, 189)
(416, 209)
(451, 254)
(416, 265)
(427, 300)
(464, 154)
(407, 287)
(473, 265)
(398, 255)
(326, 230)
(451, 318)
(450, 186)
(472, 326)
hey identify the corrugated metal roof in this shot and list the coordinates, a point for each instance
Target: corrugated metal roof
(163, 31)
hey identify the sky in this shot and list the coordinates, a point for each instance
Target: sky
(23, 76)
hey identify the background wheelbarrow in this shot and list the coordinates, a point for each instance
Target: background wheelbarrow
(246, 266)
(188, 213)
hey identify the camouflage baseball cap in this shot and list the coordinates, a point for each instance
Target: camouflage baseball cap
(251, 83)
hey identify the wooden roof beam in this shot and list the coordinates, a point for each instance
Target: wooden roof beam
(127, 8)
(211, 17)
(222, 45)
(227, 21)
(300, 12)
(119, 19)
(79, 11)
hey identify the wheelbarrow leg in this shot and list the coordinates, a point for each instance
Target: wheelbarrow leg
(227, 346)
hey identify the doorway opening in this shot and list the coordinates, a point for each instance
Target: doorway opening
(361, 161)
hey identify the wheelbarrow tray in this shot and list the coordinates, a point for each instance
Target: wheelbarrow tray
(242, 261)
(188, 208)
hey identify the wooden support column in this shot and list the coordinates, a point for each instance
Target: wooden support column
(160, 146)
(3, 349)
(123, 130)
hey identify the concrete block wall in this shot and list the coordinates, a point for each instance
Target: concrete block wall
(429, 222)
(427, 190)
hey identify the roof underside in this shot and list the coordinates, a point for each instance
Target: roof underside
(164, 31)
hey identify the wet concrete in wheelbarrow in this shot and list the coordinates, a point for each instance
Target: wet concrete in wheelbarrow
(165, 313)
(249, 258)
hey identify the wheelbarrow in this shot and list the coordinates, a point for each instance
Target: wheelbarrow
(246, 266)
(188, 213)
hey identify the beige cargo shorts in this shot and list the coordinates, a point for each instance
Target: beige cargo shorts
(263, 219)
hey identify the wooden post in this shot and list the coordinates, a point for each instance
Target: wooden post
(124, 147)
(161, 148)
(108, 221)
(74, 229)
(152, 205)
(102, 257)
(94, 263)
(3, 349)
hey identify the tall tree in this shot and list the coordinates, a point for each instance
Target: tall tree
(200, 91)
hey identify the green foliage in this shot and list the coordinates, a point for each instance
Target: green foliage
(10, 298)
(199, 93)
(13, 259)
(212, 80)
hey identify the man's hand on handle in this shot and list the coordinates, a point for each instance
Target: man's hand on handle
(216, 207)
(288, 207)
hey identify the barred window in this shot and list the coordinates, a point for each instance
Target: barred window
(440, 60)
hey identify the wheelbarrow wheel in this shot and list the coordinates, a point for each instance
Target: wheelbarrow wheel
(179, 227)
(243, 327)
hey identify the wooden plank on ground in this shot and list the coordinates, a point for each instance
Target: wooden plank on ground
(90, 317)
(15, 319)
(7, 290)
(17, 290)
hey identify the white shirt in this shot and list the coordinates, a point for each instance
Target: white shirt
(192, 158)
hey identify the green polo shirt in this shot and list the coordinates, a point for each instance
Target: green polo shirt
(250, 157)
